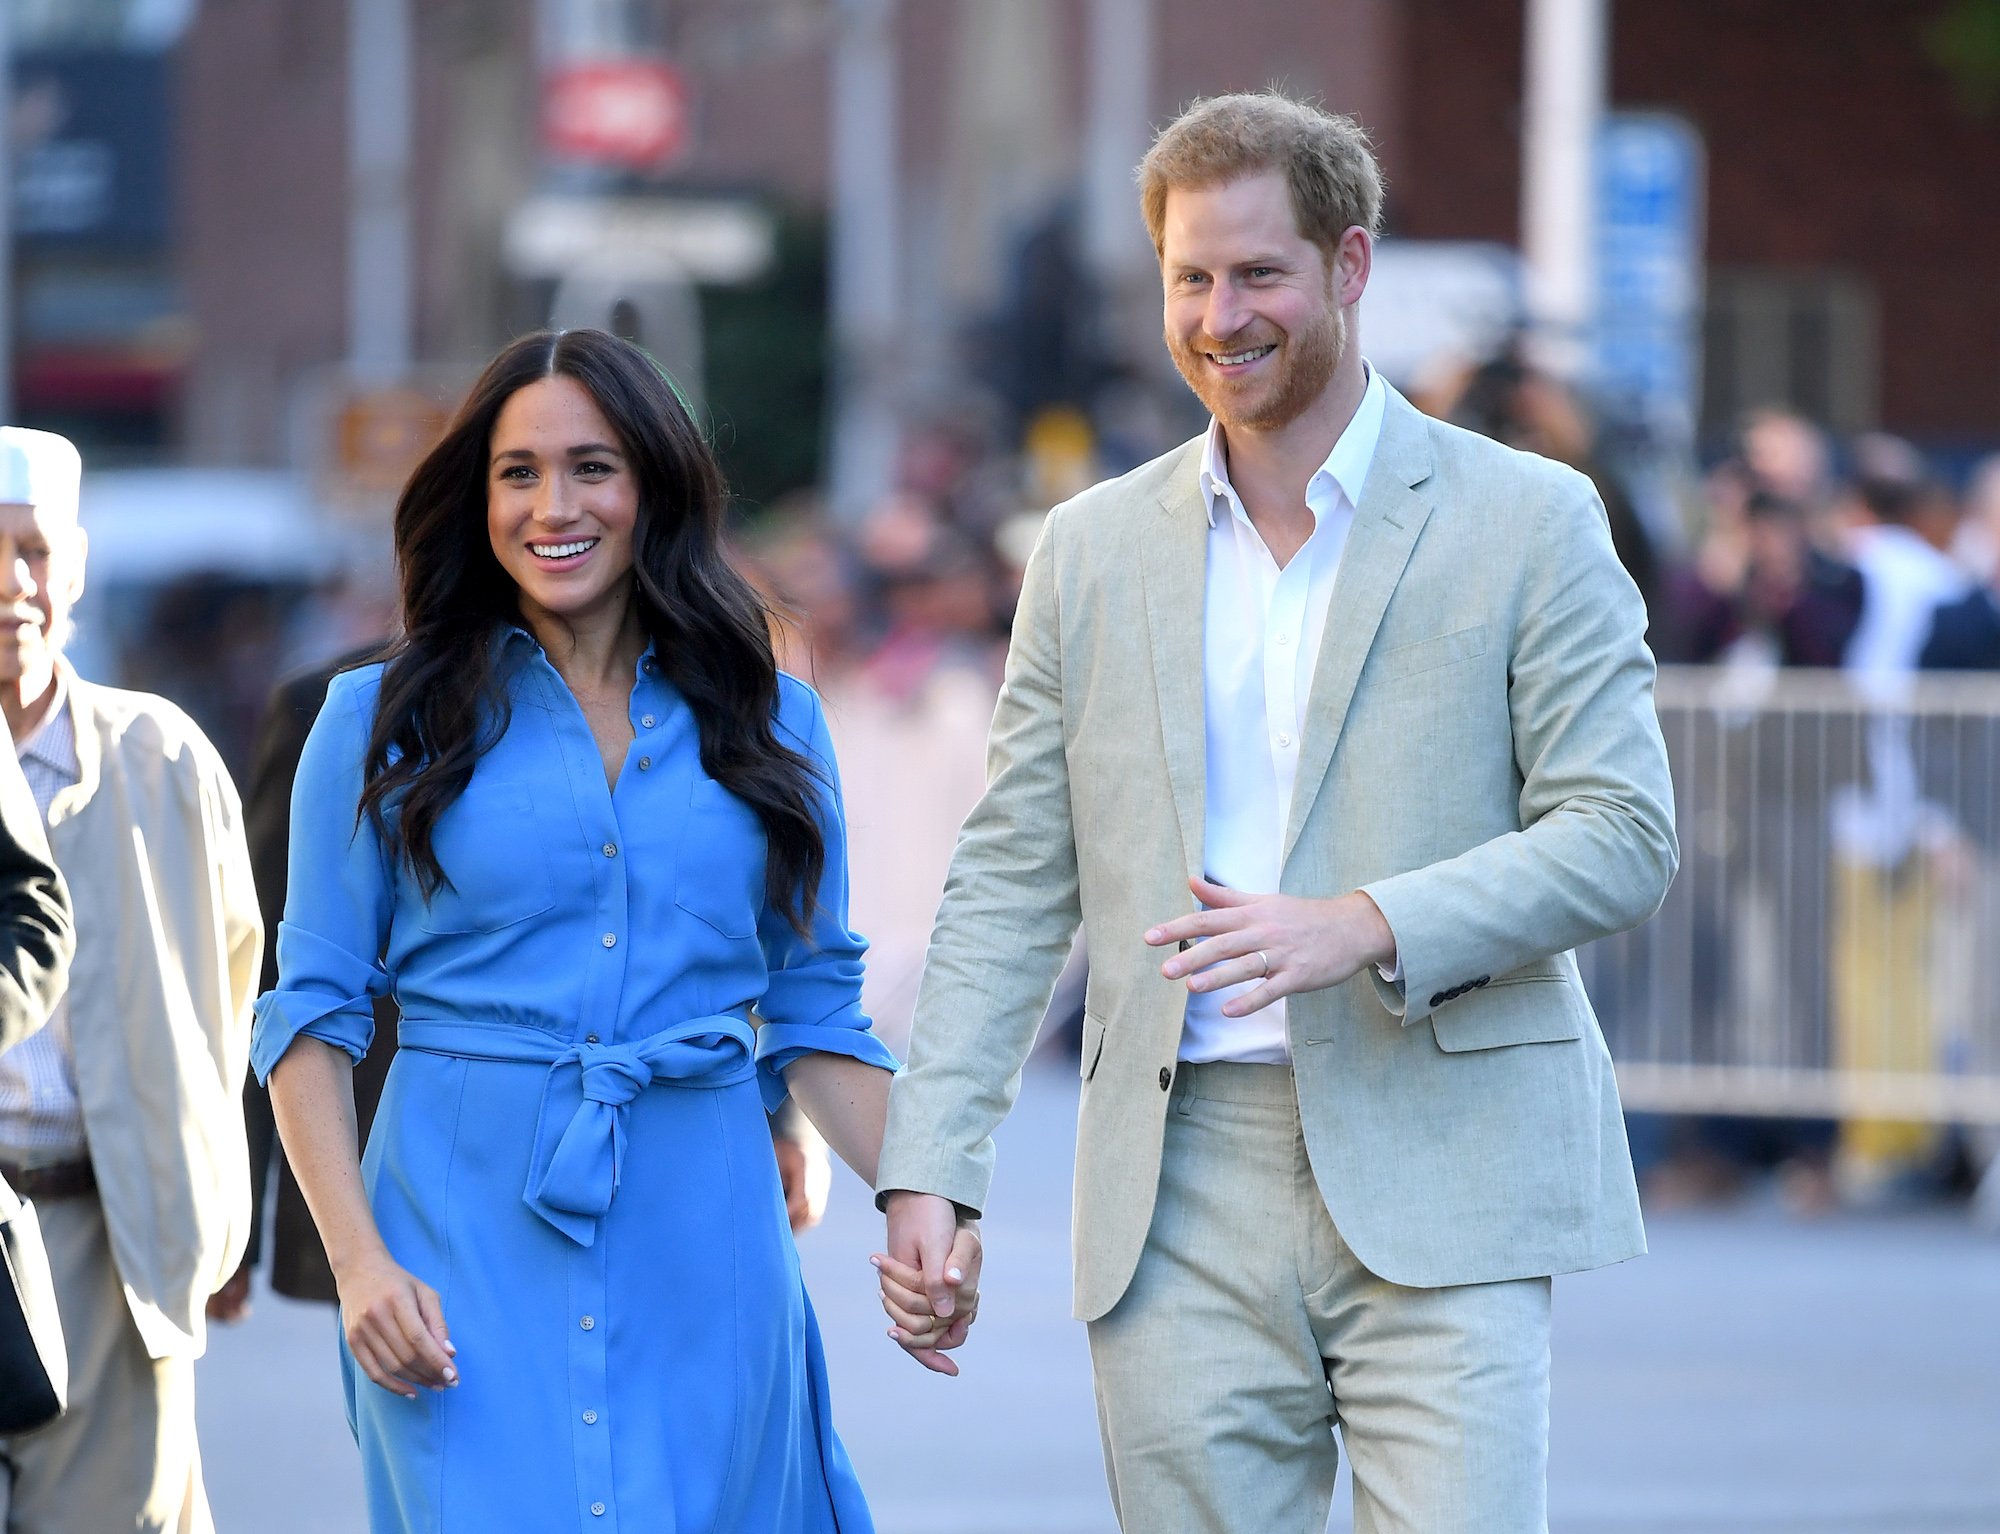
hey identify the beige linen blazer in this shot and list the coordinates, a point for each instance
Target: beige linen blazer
(168, 941)
(1481, 755)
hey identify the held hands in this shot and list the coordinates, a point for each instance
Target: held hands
(395, 1327)
(930, 1277)
(1288, 942)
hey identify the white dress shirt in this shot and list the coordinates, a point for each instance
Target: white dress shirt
(1262, 628)
(41, 1117)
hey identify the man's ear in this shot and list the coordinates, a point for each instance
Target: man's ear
(1353, 260)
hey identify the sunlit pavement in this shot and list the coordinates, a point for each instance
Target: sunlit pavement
(1755, 1375)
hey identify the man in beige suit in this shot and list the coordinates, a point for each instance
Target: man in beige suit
(122, 1118)
(1334, 731)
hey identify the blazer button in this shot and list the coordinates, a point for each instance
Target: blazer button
(1440, 999)
(1166, 1078)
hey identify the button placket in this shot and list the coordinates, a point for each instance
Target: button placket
(589, 1381)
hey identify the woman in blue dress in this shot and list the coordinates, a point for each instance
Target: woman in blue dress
(579, 826)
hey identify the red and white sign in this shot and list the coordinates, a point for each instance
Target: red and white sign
(626, 112)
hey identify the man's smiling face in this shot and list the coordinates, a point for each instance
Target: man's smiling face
(1251, 315)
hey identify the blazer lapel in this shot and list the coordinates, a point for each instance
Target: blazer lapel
(1174, 568)
(1386, 524)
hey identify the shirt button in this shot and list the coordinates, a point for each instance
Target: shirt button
(646, 721)
(590, 1038)
(610, 940)
(651, 667)
(1285, 741)
(645, 764)
(588, 1323)
(611, 849)
(589, 1418)
(597, 1509)
(1284, 639)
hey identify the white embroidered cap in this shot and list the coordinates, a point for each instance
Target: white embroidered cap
(39, 468)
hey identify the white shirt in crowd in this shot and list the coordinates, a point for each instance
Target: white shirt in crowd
(41, 1117)
(1261, 642)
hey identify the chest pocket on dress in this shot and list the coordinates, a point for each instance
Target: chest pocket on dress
(489, 846)
(720, 877)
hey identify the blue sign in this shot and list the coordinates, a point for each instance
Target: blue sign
(1650, 198)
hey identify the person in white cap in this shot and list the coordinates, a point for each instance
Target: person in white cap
(122, 1118)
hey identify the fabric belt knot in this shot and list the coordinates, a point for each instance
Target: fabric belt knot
(579, 1151)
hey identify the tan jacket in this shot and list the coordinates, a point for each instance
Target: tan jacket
(151, 842)
(1481, 754)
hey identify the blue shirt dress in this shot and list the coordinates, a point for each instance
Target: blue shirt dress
(572, 1146)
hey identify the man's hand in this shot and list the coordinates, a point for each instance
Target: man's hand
(1289, 943)
(231, 1303)
(930, 1277)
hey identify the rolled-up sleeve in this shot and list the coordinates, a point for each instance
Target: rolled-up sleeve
(338, 897)
(813, 999)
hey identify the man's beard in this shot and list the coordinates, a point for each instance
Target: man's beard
(1307, 360)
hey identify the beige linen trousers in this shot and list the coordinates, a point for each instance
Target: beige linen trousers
(1481, 755)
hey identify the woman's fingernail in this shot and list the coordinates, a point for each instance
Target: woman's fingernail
(451, 1376)
(955, 1275)
(875, 1263)
(1152, 934)
(451, 1348)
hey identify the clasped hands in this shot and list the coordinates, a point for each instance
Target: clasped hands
(1288, 943)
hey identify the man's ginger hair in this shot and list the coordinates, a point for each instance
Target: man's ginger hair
(1324, 157)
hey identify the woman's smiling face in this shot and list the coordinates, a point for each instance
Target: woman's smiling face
(562, 502)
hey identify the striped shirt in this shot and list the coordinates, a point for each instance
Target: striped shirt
(41, 1116)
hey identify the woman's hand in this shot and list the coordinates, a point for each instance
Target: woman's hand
(929, 1319)
(395, 1327)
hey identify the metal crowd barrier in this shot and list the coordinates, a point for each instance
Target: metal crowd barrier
(1831, 947)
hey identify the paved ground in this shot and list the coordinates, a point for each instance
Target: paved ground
(1753, 1376)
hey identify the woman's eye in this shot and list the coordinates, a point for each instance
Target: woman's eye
(594, 469)
(517, 473)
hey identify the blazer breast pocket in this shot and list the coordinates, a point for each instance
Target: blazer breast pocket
(1430, 654)
(1530, 1009)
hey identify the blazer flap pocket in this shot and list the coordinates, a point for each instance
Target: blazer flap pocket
(1429, 654)
(1536, 1009)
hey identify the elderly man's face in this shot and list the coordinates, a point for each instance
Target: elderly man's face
(41, 576)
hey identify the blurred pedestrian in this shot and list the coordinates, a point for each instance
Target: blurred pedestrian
(1965, 634)
(1891, 844)
(1334, 730)
(37, 940)
(581, 826)
(122, 1118)
(1758, 590)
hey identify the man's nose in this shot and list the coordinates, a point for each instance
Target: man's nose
(15, 581)
(1226, 312)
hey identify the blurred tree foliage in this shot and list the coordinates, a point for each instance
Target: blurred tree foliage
(1963, 39)
(764, 351)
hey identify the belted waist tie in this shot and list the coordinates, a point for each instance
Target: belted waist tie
(580, 1125)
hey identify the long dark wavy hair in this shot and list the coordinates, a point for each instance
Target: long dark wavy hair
(443, 704)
